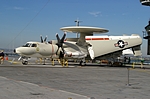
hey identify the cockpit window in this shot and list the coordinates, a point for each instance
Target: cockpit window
(30, 45)
(27, 45)
(34, 45)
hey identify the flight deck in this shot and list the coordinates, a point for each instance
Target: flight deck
(93, 81)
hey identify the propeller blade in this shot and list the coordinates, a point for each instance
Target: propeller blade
(58, 39)
(57, 51)
(45, 39)
(63, 50)
(41, 39)
(60, 42)
(63, 38)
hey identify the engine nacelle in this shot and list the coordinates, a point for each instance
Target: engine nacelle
(76, 54)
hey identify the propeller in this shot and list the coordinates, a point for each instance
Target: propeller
(42, 41)
(60, 43)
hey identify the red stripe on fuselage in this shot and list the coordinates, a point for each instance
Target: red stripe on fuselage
(97, 39)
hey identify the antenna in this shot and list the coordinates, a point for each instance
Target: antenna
(77, 24)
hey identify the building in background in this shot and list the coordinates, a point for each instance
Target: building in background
(146, 33)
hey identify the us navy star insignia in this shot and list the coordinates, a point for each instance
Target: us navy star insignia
(121, 44)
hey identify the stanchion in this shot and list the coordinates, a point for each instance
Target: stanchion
(128, 77)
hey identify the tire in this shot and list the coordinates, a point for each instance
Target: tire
(25, 63)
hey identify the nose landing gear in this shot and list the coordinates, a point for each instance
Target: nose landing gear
(24, 60)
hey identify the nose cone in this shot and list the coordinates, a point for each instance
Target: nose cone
(17, 50)
(25, 51)
(14, 50)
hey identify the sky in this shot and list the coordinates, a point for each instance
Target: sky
(26, 20)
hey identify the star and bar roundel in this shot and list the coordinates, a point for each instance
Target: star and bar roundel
(121, 44)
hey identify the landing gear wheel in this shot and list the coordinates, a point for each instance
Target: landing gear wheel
(82, 63)
(25, 62)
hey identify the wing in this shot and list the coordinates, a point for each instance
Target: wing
(84, 31)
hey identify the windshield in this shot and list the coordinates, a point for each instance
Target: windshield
(27, 45)
(30, 45)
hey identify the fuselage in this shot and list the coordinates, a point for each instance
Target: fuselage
(101, 45)
(108, 44)
(37, 49)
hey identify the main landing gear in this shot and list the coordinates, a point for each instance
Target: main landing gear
(82, 62)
